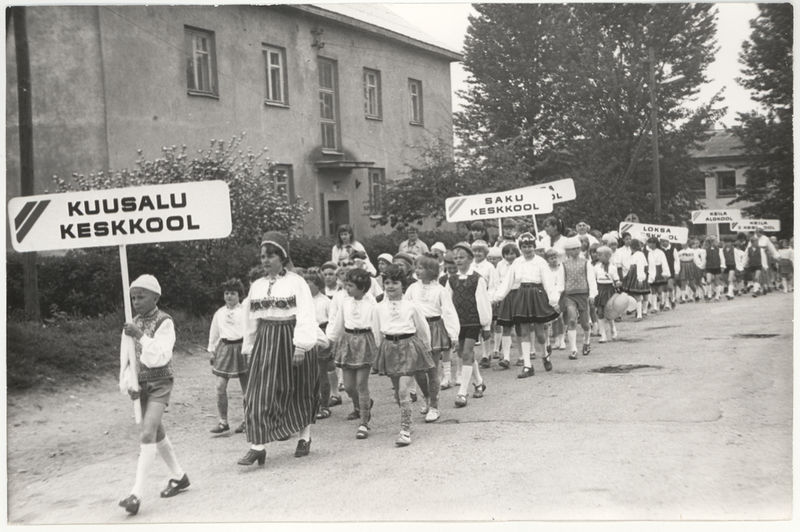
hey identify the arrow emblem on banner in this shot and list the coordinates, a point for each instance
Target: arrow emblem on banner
(625, 228)
(30, 212)
(455, 205)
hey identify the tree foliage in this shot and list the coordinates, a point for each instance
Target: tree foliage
(767, 137)
(562, 91)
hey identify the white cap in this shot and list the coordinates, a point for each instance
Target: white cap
(148, 282)
(572, 242)
(385, 256)
(494, 251)
(439, 247)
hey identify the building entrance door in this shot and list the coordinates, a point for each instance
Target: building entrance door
(338, 214)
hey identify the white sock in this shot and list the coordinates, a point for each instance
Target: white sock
(339, 376)
(167, 453)
(446, 371)
(587, 337)
(476, 374)
(601, 322)
(505, 341)
(638, 309)
(719, 291)
(305, 434)
(466, 376)
(413, 387)
(572, 337)
(498, 340)
(525, 347)
(147, 455)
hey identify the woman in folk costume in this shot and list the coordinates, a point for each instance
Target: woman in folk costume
(635, 278)
(281, 337)
(657, 274)
(535, 302)
(580, 289)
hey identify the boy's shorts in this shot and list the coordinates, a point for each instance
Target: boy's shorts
(155, 391)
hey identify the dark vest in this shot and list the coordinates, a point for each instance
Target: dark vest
(464, 299)
(149, 324)
(754, 257)
(712, 258)
(670, 255)
(730, 258)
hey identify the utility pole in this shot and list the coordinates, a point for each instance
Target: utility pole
(656, 180)
(30, 283)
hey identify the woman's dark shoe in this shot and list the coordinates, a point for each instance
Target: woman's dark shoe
(175, 486)
(547, 364)
(220, 428)
(303, 447)
(131, 504)
(252, 456)
(355, 414)
(240, 428)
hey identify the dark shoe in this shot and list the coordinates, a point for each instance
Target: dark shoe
(131, 504)
(413, 398)
(519, 362)
(303, 447)
(240, 428)
(252, 456)
(461, 401)
(324, 413)
(334, 401)
(362, 432)
(484, 363)
(355, 414)
(573, 355)
(525, 373)
(504, 364)
(547, 364)
(479, 389)
(175, 486)
(548, 349)
(374, 371)
(586, 349)
(220, 428)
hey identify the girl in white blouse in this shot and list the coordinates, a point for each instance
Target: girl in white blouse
(634, 278)
(405, 345)
(437, 307)
(657, 274)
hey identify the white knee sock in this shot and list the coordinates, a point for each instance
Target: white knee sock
(167, 453)
(638, 309)
(506, 343)
(147, 455)
(525, 347)
(466, 376)
(498, 340)
(476, 374)
(445, 371)
(587, 337)
(572, 338)
(601, 322)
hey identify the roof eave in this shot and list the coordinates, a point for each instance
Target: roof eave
(377, 30)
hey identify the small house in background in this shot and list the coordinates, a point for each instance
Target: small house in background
(344, 96)
(723, 162)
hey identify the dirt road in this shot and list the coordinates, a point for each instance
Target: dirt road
(703, 433)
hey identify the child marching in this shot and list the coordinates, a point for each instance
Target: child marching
(634, 279)
(607, 283)
(580, 289)
(657, 275)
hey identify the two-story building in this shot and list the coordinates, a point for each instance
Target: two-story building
(723, 164)
(344, 96)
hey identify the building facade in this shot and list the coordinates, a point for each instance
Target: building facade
(723, 163)
(343, 102)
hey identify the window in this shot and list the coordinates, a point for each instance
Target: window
(201, 67)
(377, 187)
(275, 67)
(415, 95)
(283, 182)
(328, 105)
(372, 93)
(698, 185)
(726, 183)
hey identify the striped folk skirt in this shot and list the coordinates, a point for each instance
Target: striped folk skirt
(281, 399)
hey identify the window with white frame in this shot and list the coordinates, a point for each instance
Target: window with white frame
(726, 183)
(201, 68)
(275, 66)
(372, 93)
(377, 189)
(415, 100)
(328, 103)
(283, 181)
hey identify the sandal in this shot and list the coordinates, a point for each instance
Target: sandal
(461, 401)
(355, 414)
(362, 432)
(587, 348)
(324, 413)
(479, 389)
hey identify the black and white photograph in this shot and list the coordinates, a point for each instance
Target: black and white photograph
(400, 265)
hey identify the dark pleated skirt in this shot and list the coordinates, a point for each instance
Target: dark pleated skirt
(403, 357)
(632, 285)
(229, 361)
(281, 399)
(690, 272)
(604, 293)
(439, 339)
(531, 305)
(505, 317)
(355, 351)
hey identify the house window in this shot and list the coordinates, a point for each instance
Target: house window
(283, 182)
(377, 188)
(415, 100)
(698, 185)
(201, 62)
(328, 102)
(372, 93)
(275, 66)
(726, 183)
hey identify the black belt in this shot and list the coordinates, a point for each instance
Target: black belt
(396, 337)
(433, 319)
(530, 285)
(358, 331)
(225, 341)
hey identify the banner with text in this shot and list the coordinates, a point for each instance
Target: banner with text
(716, 216)
(527, 201)
(562, 190)
(135, 215)
(674, 234)
(745, 226)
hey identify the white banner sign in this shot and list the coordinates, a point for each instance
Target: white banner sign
(676, 235)
(135, 215)
(716, 216)
(526, 201)
(745, 226)
(562, 190)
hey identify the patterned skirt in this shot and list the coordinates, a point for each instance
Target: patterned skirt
(281, 399)
(531, 305)
(690, 272)
(439, 338)
(632, 285)
(229, 360)
(604, 293)
(660, 280)
(403, 357)
(355, 350)
(505, 317)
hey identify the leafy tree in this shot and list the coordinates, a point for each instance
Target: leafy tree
(562, 91)
(767, 138)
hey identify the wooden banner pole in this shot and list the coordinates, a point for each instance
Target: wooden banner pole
(127, 341)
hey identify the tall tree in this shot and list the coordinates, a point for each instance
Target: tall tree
(565, 88)
(767, 137)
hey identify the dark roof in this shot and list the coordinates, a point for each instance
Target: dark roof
(721, 144)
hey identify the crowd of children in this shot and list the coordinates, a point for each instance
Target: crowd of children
(431, 320)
